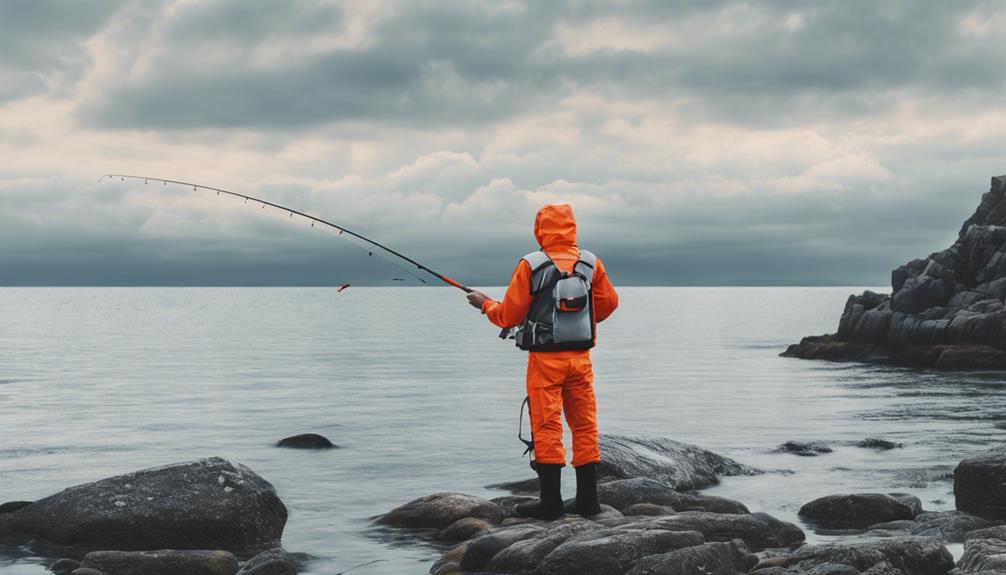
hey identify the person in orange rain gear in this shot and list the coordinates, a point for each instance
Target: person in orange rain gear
(555, 298)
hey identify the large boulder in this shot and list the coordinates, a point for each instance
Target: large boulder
(859, 509)
(614, 553)
(164, 561)
(724, 558)
(681, 466)
(673, 464)
(909, 555)
(945, 311)
(624, 493)
(209, 503)
(983, 555)
(759, 531)
(980, 484)
(439, 510)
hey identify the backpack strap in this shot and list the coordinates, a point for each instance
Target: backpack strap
(538, 261)
(585, 266)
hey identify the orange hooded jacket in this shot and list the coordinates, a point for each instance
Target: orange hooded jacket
(555, 231)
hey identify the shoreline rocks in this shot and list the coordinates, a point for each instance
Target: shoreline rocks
(861, 509)
(680, 466)
(649, 523)
(209, 503)
(980, 484)
(944, 312)
(306, 441)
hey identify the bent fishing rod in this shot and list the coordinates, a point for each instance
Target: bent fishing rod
(292, 212)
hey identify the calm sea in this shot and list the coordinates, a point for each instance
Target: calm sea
(421, 395)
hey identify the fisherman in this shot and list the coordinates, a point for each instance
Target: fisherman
(555, 297)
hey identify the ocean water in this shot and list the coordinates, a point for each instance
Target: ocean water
(415, 387)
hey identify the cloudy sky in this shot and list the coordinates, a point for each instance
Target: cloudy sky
(700, 143)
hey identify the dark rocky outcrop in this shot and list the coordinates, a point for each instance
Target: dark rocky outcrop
(878, 444)
(164, 561)
(306, 441)
(805, 449)
(983, 553)
(210, 503)
(897, 555)
(944, 312)
(980, 485)
(12, 506)
(613, 552)
(730, 558)
(861, 509)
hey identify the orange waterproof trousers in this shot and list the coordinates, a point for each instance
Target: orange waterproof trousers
(562, 383)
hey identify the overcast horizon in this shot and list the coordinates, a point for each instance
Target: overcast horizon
(700, 143)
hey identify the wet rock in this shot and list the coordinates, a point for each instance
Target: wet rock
(306, 441)
(12, 506)
(680, 465)
(649, 509)
(980, 485)
(758, 530)
(195, 505)
(613, 554)
(949, 526)
(674, 465)
(900, 525)
(508, 503)
(440, 510)
(87, 571)
(64, 566)
(913, 502)
(805, 449)
(878, 444)
(464, 529)
(857, 509)
(982, 555)
(448, 563)
(271, 567)
(277, 561)
(945, 311)
(164, 561)
(911, 555)
(481, 550)
(527, 554)
(728, 558)
(623, 493)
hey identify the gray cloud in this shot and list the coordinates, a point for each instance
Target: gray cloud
(41, 43)
(435, 63)
(767, 143)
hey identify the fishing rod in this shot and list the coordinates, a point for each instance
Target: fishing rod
(313, 219)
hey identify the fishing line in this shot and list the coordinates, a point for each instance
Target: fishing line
(345, 233)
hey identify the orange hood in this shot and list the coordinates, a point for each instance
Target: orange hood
(555, 226)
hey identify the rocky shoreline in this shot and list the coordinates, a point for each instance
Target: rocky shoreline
(215, 517)
(945, 311)
(648, 526)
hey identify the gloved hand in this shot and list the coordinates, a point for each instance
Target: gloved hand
(476, 298)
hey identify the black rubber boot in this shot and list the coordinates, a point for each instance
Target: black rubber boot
(549, 504)
(586, 490)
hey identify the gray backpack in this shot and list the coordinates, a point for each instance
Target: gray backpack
(561, 316)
